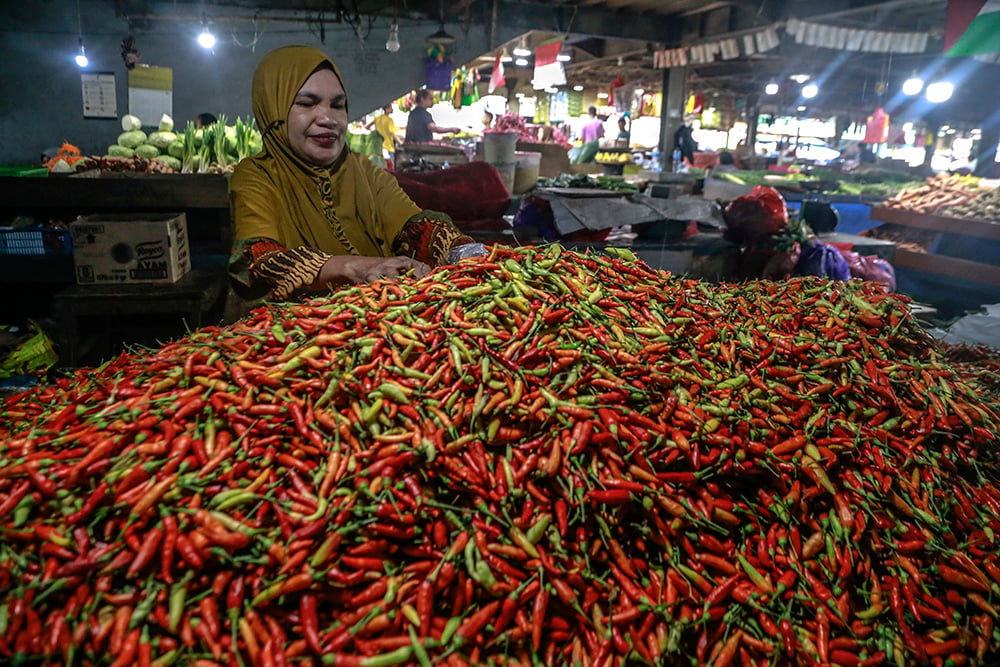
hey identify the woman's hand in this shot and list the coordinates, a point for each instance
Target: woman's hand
(351, 269)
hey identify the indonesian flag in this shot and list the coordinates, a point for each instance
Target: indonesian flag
(548, 70)
(973, 27)
(496, 78)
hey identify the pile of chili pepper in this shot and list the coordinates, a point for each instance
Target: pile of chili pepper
(539, 457)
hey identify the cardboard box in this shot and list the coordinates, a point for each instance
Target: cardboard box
(136, 248)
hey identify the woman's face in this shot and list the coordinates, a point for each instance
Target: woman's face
(317, 121)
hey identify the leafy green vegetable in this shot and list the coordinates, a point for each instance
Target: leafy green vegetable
(131, 139)
(171, 161)
(176, 148)
(130, 122)
(162, 139)
(148, 151)
(117, 150)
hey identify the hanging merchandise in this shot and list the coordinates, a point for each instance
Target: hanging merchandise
(623, 97)
(558, 106)
(877, 128)
(496, 77)
(574, 103)
(437, 68)
(651, 105)
(617, 83)
(470, 88)
(455, 91)
(695, 103)
(463, 91)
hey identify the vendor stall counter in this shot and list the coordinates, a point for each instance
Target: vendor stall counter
(43, 285)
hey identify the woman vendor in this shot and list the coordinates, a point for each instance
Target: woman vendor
(308, 213)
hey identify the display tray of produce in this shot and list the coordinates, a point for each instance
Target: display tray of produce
(985, 229)
(432, 149)
(936, 194)
(920, 236)
(831, 186)
(117, 191)
(582, 192)
(536, 457)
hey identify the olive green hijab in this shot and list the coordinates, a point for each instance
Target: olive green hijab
(351, 207)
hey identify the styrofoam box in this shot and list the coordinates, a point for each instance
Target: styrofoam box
(130, 248)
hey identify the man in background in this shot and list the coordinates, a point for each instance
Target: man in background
(590, 137)
(593, 130)
(386, 127)
(420, 126)
(204, 120)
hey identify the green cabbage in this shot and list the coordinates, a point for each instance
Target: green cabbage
(116, 150)
(132, 138)
(147, 151)
(166, 124)
(162, 139)
(173, 162)
(130, 122)
(176, 148)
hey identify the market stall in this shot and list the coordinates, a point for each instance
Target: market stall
(948, 241)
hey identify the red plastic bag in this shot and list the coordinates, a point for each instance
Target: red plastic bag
(755, 216)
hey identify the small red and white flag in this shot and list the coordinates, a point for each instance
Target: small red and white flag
(496, 78)
(548, 70)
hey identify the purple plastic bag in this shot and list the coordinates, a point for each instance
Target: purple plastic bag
(825, 261)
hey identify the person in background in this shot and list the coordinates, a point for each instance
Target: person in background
(420, 126)
(594, 129)
(310, 214)
(487, 120)
(727, 164)
(204, 120)
(623, 134)
(386, 127)
(590, 137)
(685, 143)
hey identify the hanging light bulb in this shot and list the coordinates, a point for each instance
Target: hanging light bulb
(939, 91)
(810, 91)
(206, 39)
(392, 44)
(522, 49)
(913, 85)
(771, 88)
(81, 57)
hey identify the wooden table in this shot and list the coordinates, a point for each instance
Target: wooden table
(186, 301)
(941, 264)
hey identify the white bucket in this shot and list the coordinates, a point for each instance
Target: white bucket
(498, 147)
(507, 175)
(526, 172)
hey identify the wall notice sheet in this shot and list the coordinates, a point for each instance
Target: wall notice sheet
(151, 93)
(99, 97)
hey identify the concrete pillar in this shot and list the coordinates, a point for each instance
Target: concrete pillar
(671, 111)
(985, 152)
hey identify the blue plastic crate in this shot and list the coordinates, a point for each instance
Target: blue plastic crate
(35, 242)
